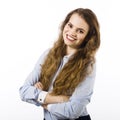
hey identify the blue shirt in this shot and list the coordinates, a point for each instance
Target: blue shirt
(74, 108)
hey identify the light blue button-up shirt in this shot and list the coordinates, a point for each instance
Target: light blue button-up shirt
(74, 108)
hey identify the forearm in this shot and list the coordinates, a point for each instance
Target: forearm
(47, 98)
(67, 110)
(52, 99)
(29, 94)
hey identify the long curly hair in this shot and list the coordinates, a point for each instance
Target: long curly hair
(76, 69)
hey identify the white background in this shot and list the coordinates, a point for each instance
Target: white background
(28, 27)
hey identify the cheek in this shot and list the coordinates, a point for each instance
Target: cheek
(64, 32)
(65, 29)
(81, 39)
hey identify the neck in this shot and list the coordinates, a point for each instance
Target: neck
(70, 50)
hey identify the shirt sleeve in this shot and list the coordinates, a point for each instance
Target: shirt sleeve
(28, 92)
(42, 96)
(77, 102)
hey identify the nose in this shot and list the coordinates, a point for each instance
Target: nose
(73, 32)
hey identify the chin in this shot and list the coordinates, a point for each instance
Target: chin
(67, 43)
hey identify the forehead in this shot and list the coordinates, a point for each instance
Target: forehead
(79, 22)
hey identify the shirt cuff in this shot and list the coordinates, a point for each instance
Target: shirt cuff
(42, 96)
(49, 107)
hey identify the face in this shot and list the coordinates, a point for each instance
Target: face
(75, 31)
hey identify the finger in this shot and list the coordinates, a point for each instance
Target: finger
(40, 85)
(36, 85)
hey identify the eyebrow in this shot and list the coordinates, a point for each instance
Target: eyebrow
(78, 28)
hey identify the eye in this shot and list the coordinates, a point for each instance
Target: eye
(80, 31)
(70, 25)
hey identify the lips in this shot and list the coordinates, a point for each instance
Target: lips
(70, 38)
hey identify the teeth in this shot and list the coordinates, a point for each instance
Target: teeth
(70, 37)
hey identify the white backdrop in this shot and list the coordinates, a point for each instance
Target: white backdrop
(28, 27)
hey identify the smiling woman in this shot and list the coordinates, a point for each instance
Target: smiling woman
(63, 78)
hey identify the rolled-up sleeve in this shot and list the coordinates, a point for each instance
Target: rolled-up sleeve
(77, 102)
(28, 92)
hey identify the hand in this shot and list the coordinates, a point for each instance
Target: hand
(44, 106)
(39, 85)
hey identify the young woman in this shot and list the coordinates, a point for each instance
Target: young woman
(63, 78)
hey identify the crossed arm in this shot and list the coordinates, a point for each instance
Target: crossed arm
(51, 99)
(61, 106)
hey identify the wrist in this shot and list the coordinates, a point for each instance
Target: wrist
(47, 98)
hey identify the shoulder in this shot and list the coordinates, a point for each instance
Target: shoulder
(91, 69)
(43, 56)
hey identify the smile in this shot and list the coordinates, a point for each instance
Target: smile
(70, 38)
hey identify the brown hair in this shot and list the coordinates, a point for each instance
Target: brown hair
(76, 69)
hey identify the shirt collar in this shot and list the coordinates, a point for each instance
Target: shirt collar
(68, 56)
